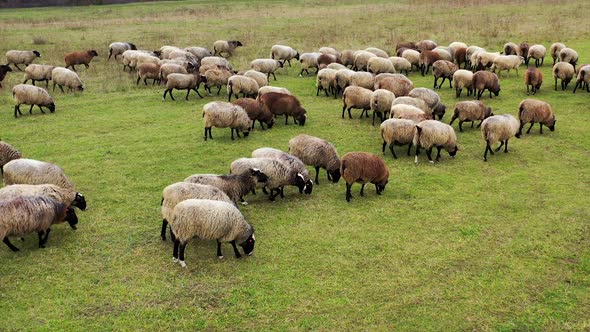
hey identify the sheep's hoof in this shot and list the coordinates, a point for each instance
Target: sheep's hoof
(174, 260)
(220, 257)
(430, 161)
(416, 159)
(183, 264)
(244, 203)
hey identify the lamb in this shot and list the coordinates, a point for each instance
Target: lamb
(470, 111)
(534, 78)
(400, 64)
(326, 81)
(280, 103)
(217, 78)
(117, 48)
(363, 167)
(180, 191)
(66, 196)
(4, 69)
(21, 57)
(356, 97)
(295, 164)
(381, 101)
(432, 99)
(256, 111)
(186, 82)
(23, 215)
(308, 60)
(225, 46)
(36, 72)
(569, 55)
(463, 79)
(583, 78)
(235, 186)
(507, 62)
(413, 57)
(174, 68)
(7, 153)
(347, 58)
(343, 78)
(432, 133)
(427, 59)
(210, 220)
(483, 80)
(266, 89)
(267, 66)
(79, 58)
(565, 72)
(363, 79)
(31, 95)
(538, 53)
(278, 174)
(397, 132)
(326, 59)
(318, 153)
(147, 71)
(30, 171)
(361, 59)
(408, 112)
(222, 115)
(378, 52)
(65, 77)
(239, 83)
(555, 49)
(283, 53)
(396, 83)
(446, 70)
(535, 111)
(380, 65)
(259, 77)
(498, 128)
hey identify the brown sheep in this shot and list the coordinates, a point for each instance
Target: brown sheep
(256, 111)
(565, 72)
(396, 83)
(363, 167)
(405, 45)
(444, 69)
(425, 45)
(483, 80)
(147, 71)
(280, 103)
(470, 111)
(356, 97)
(461, 57)
(427, 59)
(534, 78)
(325, 59)
(79, 58)
(533, 111)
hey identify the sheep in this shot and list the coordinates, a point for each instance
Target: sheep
(117, 48)
(507, 62)
(266, 89)
(555, 49)
(279, 175)
(180, 191)
(498, 128)
(329, 50)
(7, 153)
(534, 78)
(235, 186)
(225, 46)
(36, 72)
(432, 99)
(408, 112)
(400, 64)
(30, 171)
(185, 56)
(65, 77)
(470, 111)
(470, 53)
(66, 196)
(280, 103)
(535, 111)
(444, 53)
(130, 58)
(295, 164)
(318, 153)
(569, 55)
(538, 53)
(405, 45)
(444, 69)
(413, 57)
(425, 45)
(379, 65)
(463, 79)
(326, 59)
(308, 60)
(460, 57)
(147, 71)
(416, 102)
(432, 133)
(239, 83)
(512, 49)
(26, 214)
(174, 68)
(259, 77)
(397, 132)
(347, 58)
(267, 66)
(166, 50)
(343, 78)
(454, 46)
(483, 80)
(186, 82)
(283, 53)
(364, 167)
(256, 111)
(146, 58)
(21, 57)
(427, 59)
(381, 101)
(361, 59)
(4, 69)
(565, 72)
(396, 83)
(198, 52)
(356, 97)
(326, 81)
(79, 58)
(31, 95)
(363, 79)
(583, 78)
(336, 66)
(524, 49)
(485, 59)
(218, 78)
(378, 52)
(214, 62)
(222, 115)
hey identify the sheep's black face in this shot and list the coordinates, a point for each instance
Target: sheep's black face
(133, 47)
(79, 202)
(203, 79)
(5, 68)
(51, 107)
(497, 92)
(93, 53)
(246, 133)
(248, 246)
(238, 43)
(300, 182)
(301, 120)
(270, 123)
(308, 187)
(37, 54)
(297, 56)
(158, 53)
(71, 218)
(454, 152)
(381, 186)
(335, 175)
(260, 176)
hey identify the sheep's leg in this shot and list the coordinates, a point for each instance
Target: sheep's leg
(317, 172)
(479, 93)
(170, 94)
(197, 91)
(576, 87)
(450, 82)
(542, 61)
(163, 232)
(31, 109)
(87, 65)
(61, 88)
(46, 84)
(205, 136)
(73, 68)
(232, 134)
(541, 128)
(282, 191)
(409, 148)
(438, 148)
(237, 133)
(187, 93)
(362, 189)
(145, 81)
(326, 92)
(435, 80)
(40, 234)
(556, 84)
(528, 131)
(393, 152)
(273, 75)
(219, 254)
(10, 245)
(286, 118)
(327, 173)
(488, 148)
(17, 67)
(527, 90)
(46, 237)
(506, 146)
(479, 125)
(348, 193)
(458, 92)
(461, 125)
(181, 254)
(40, 109)
(236, 252)
(16, 109)
(500, 147)
(273, 194)
(429, 155)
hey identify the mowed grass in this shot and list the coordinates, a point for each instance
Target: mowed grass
(458, 245)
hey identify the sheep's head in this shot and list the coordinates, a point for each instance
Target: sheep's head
(280, 64)
(297, 56)
(71, 217)
(5, 68)
(270, 123)
(92, 53)
(308, 187)
(454, 151)
(132, 46)
(79, 201)
(51, 107)
(246, 132)
(260, 176)
(248, 245)
(300, 182)
(381, 185)
(551, 124)
(334, 175)
(440, 110)
(37, 54)
(301, 119)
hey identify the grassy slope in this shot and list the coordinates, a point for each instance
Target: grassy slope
(459, 245)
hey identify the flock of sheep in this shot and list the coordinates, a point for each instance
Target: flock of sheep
(38, 194)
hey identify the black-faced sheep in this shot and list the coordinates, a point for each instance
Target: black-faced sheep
(172, 68)
(380, 65)
(267, 66)
(79, 58)
(378, 52)
(36, 72)
(235, 186)
(31, 95)
(295, 164)
(30, 171)
(267, 89)
(283, 53)
(565, 72)
(444, 69)
(470, 111)
(400, 65)
(432, 99)
(583, 78)
(227, 46)
(217, 78)
(259, 77)
(535, 111)
(65, 77)
(381, 101)
(4, 69)
(326, 81)
(308, 60)
(483, 80)
(318, 153)
(534, 78)
(361, 59)
(237, 84)
(538, 53)
(397, 132)
(117, 48)
(363, 167)
(257, 111)
(284, 104)
(408, 112)
(463, 79)
(186, 82)
(432, 133)
(147, 71)
(498, 128)
(413, 57)
(222, 115)
(555, 49)
(21, 57)
(569, 55)
(506, 62)
(356, 97)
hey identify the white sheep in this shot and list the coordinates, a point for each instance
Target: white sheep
(31, 95)
(569, 55)
(242, 84)
(174, 68)
(36, 72)
(292, 162)
(227, 46)
(381, 101)
(199, 52)
(21, 57)
(66, 196)
(318, 153)
(361, 59)
(267, 66)
(7, 153)
(326, 81)
(463, 79)
(267, 89)
(507, 62)
(186, 82)
(356, 97)
(408, 112)
(432, 99)
(413, 57)
(397, 132)
(432, 133)
(30, 171)
(565, 72)
(378, 65)
(283, 53)
(378, 52)
(117, 48)
(223, 115)
(259, 77)
(498, 128)
(363, 79)
(308, 60)
(555, 49)
(538, 53)
(400, 64)
(68, 78)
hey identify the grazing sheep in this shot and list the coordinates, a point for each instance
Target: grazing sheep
(318, 153)
(239, 83)
(31, 95)
(66, 196)
(79, 58)
(329, 50)
(555, 49)
(259, 77)
(507, 62)
(381, 101)
(361, 59)
(336, 66)
(225, 46)
(283, 53)
(413, 57)
(432, 99)
(380, 65)
(210, 220)
(186, 82)
(416, 102)
(147, 71)
(166, 50)
(483, 80)
(180, 191)
(235, 186)
(343, 78)
(463, 79)
(460, 57)
(535, 111)
(308, 60)
(214, 62)
(174, 68)
(583, 78)
(454, 46)
(295, 164)
(65, 77)
(280, 103)
(378, 52)
(266, 89)
(425, 45)
(569, 55)
(363, 79)
(130, 58)
(36, 72)
(267, 66)
(471, 111)
(184, 56)
(7, 153)
(399, 84)
(534, 78)
(256, 111)
(30, 171)
(397, 132)
(3, 70)
(427, 59)
(446, 70)
(356, 97)
(145, 58)
(470, 55)
(538, 53)
(21, 57)
(444, 53)
(565, 72)
(408, 112)
(117, 48)
(26, 214)
(347, 58)
(363, 167)
(498, 128)
(326, 59)
(222, 115)
(326, 81)
(217, 78)
(524, 49)
(432, 133)
(198, 52)
(512, 49)
(400, 64)
(485, 60)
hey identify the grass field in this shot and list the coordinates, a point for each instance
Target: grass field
(458, 245)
